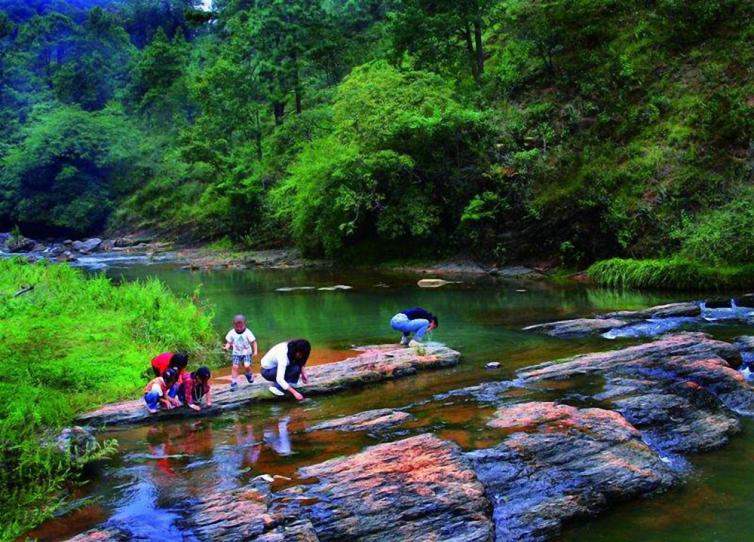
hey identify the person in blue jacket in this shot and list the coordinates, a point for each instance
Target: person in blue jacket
(417, 321)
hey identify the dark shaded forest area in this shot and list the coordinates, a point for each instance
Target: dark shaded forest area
(570, 131)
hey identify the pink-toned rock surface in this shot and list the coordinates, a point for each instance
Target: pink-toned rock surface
(419, 488)
(680, 391)
(559, 462)
(372, 365)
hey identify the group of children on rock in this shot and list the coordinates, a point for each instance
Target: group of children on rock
(173, 386)
(283, 365)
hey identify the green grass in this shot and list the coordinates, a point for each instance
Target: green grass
(70, 344)
(670, 274)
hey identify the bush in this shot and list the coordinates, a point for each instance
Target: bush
(669, 274)
(70, 344)
(721, 236)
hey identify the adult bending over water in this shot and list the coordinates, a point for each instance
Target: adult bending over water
(417, 321)
(284, 365)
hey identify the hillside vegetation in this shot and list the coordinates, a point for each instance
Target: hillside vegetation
(569, 131)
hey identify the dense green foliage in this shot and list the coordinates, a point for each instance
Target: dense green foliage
(69, 344)
(569, 130)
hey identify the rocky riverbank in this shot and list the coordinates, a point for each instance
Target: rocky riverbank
(146, 248)
(620, 434)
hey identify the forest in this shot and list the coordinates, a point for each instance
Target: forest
(504, 130)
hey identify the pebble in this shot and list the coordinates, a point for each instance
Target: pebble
(493, 365)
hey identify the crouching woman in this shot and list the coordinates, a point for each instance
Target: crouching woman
(284, 365)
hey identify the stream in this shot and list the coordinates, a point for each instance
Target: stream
(161, 467)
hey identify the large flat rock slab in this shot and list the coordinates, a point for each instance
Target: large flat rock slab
(419, 488)
(372, 365)
(680, 391)
(559, 462)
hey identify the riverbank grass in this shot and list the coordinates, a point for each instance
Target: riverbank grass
(670, 274)
(70, 342)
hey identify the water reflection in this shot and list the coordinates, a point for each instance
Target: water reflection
(276, 436)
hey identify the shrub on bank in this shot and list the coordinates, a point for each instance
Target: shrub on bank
(669, 274)
(70, 343)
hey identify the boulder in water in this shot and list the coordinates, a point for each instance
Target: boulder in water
(435, 283)
(680, 391)
(20, 244)
(578, 327)
(88, 246)
(559, 462)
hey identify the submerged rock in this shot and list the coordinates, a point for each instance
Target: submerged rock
(560, 462)
(578, 327)
(373, 364)
(435, 283)
(370, 420)
(76, 441)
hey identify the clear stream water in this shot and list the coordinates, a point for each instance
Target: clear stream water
(160, 468)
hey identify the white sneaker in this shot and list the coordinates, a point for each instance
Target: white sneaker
(276, 391)
(404, 340)
(414, 344)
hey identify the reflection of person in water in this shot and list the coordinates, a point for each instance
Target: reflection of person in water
(160, 446)
(248, 444)
(279, 441)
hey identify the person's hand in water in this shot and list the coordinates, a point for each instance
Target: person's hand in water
(194, 406)
(297, 395)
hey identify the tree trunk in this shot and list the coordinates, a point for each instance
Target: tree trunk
(472, 54)
(258, 135)
(297, 91)
(479, 45)
(278, 109)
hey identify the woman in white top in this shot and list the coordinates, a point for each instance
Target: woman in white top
(284, 365)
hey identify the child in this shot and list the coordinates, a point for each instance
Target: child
(156, 392)
(244, 346)
(177, 360)
(195, 386)
(284, 365)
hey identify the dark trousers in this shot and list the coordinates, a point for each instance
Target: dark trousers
(292, 374)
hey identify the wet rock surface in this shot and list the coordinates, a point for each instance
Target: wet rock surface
(560, 462)
(650, 322)
(370, 420)
(420, 488)
(689, 308)
(550, 461)
(578, 327)
(374, 364)
(680, 391)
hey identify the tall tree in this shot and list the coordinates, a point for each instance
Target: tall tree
(442, 34)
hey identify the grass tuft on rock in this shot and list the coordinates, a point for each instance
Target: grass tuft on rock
(670, 274)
